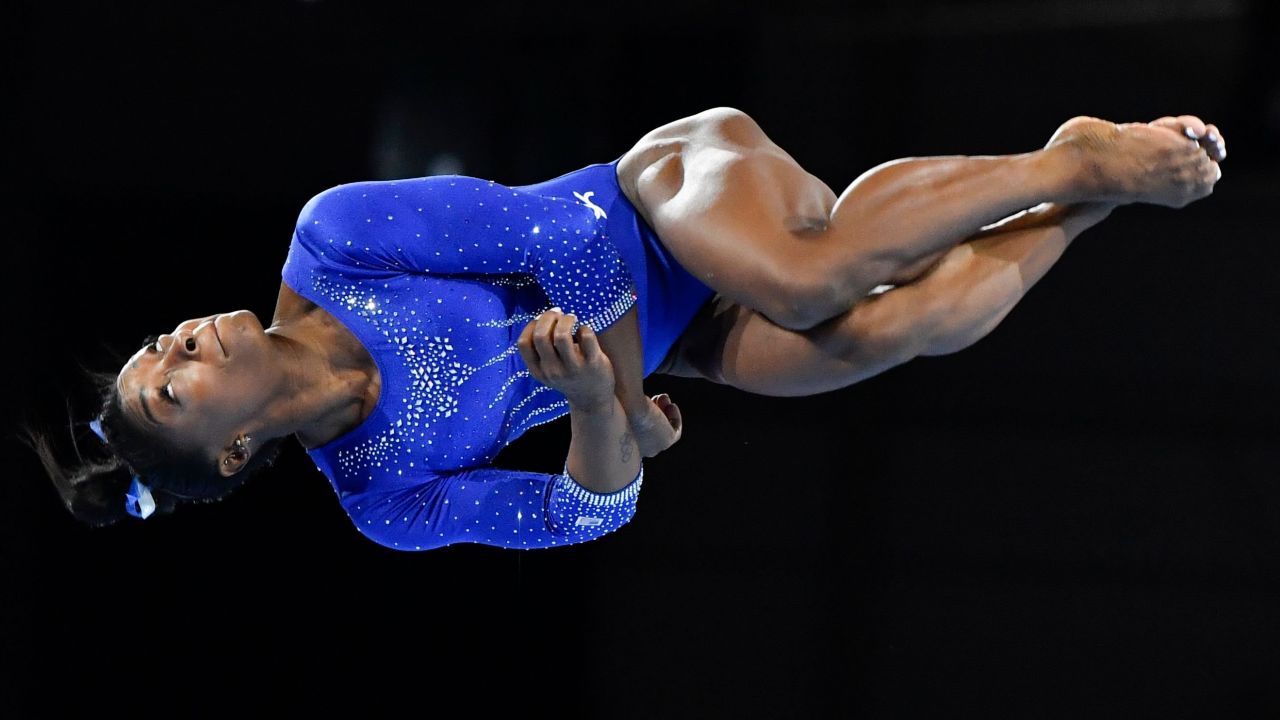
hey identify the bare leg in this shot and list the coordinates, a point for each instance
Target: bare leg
(1006, 261)
(911, 209)
(917, 208)
(741, 215)
(957, 301)
(900, 206)
(899, 218)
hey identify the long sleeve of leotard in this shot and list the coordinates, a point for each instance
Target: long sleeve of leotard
(491, 506)
(455, 224)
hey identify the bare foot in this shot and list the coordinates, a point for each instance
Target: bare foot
(1141, 162)
(1206, 134)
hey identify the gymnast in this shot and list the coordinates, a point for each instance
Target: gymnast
(423, 324)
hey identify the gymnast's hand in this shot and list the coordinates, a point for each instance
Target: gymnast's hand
(1171, 161)
(659, 428)
(576, 366)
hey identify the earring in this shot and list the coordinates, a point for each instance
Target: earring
(241, 447)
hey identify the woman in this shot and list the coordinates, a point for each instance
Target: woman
(423, 324)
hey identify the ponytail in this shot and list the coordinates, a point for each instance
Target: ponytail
(92, 491)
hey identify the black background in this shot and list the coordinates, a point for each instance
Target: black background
(1076, 517)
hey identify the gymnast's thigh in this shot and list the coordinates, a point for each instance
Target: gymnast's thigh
(734, 209)
(731, 344)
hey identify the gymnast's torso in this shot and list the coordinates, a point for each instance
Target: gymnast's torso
(436, 277)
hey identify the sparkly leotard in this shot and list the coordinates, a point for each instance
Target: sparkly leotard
(437, 276)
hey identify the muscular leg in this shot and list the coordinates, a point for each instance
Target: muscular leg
(743, 217)
(958, 300)
(907, 213)
(824, 253)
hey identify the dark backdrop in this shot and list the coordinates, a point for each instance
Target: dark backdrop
(1076, 517)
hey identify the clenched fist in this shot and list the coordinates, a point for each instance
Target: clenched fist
(572, 363)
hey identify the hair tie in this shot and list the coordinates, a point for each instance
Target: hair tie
(138, 501)
(96, 426)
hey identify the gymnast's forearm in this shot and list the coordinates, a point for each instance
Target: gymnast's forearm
(603, 455)
(978, 283)
(621, 342)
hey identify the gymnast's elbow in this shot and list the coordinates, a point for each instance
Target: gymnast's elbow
(318, 208)
(394, 538)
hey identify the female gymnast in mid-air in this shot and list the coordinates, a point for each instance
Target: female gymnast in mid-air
(423, 324)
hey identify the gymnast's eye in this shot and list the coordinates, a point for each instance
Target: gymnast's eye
(152, 343)
(167, 392)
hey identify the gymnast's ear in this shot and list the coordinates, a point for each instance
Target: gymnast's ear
(234, 457)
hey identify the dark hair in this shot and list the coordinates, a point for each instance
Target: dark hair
(94, 490)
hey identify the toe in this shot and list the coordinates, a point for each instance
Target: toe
(1216, 138)
(1195, 124)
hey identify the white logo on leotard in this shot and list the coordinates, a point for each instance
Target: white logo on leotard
(599, 212)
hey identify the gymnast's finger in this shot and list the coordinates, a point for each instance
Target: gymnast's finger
(563, 338)
(542, 340)
(590, 344)
(672, 411)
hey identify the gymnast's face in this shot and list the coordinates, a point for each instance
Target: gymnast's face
(198, 385)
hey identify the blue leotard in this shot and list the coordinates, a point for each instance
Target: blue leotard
(437, 276)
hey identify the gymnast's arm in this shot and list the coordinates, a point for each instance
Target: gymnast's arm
(595, 494)
(461, 224)
(515, 509)
(621, 342)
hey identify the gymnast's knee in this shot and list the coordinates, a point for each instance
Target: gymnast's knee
(699, 351)
(805, 300)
